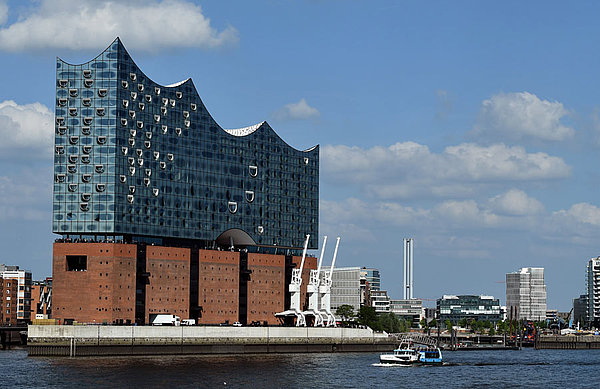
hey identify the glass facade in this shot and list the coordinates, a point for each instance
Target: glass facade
(455, 308)
(134, 158)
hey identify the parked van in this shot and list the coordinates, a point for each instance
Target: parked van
(161, 319)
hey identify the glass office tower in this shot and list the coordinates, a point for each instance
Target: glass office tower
(135, 159)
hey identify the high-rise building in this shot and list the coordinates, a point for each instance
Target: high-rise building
(526, 294)
(593, 290)
(373, 277)
(346, 288)
(16, 295)
(480, 308)
(580, 310)
(160, 210)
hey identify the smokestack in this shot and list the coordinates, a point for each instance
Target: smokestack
(408, 268)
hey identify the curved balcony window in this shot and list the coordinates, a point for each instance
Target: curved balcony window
(124, 150)
(306, 160)
(131, 189)
(87, 149)
(102, 92)
(74, 139)
(157, 90)
(141, 87)
(63, 83)
(87, 73)
(132, 114)
(146, 181)
(157, 118)
(148, 98)
(131, 161)
(86, 102)
(124, 84)
(147, 144)
(133, 133)
(165, 129)
(60, 149)
(165, 101)
(73, 92)
(141, 161)
(139, 124)
(100, 111)
(132, 170)
(163, 165)
(100, 187)
(139, 152)
(131, 142)
(72, 187)
(101, 140)
(260, 230)
(123, 122)
(163, 111)
(84, 207)
(60, 121)
(130, 199)
(73, 111)
(170, 157)
(133, 95)
(179, 94)
(86, 178)
(60, 178)
(187, 123)
(148, 172)
(155, 192)
(193, 106)
(61, 130)
(172, 102)
(178, 131)
(73, 158)
(123, 178)
(125, 103)
(85, 130)
(88, 83)
(86, 196)
(156, 154)
(249, 196)
(62, 102)
(72, 169)
(253, 170)
(88, 120)
(133, 76)
(99, 168)
(186, 114)
(141, 106)
(148, 135)
(85, 159)
(232, 206)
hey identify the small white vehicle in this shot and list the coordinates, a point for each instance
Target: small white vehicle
(161, 319)
(237, 324)
(188, 322)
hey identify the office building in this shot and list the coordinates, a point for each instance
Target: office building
(593, 291)
(346, 288)
(372, 277)
(469, 307)
(411, 309)
(41, 299)
(380, 301)
(580, 310)
(160, 210)
(16, 296)
(526, 294)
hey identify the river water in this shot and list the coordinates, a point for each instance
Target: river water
(462, 369)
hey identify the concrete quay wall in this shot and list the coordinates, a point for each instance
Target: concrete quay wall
(566, 342)
(148, 340)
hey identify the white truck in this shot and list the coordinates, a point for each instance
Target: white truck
(162, 319)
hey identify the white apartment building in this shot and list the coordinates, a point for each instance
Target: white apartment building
(526, 293)
(593, 289)
(23, 278)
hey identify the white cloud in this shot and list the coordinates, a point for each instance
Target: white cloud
(580, 213)
(516, 116)
(28, 126)
(516, 202)
(409, 169)
(297, 111)
(92, 24)
(3, 12)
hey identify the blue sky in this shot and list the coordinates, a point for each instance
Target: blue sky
(473, 127)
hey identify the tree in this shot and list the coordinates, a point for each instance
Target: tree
(492, 331)
(462, 323)
(368, 317)
(423, 323)
(433, 323)
(448, 324)
(345, 312)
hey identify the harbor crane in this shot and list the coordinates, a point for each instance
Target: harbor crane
(294, 289)
(312, 290)
(325, 291)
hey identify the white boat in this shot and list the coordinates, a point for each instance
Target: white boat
(414, 350)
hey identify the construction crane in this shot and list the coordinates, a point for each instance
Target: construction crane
(294, 288)
(312, 290)
(325, 291)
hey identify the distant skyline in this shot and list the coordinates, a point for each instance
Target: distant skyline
(472, 127)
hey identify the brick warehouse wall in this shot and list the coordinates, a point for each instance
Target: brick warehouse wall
(168, 290)
(218, 286)
(105, 292)
(266, 287)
